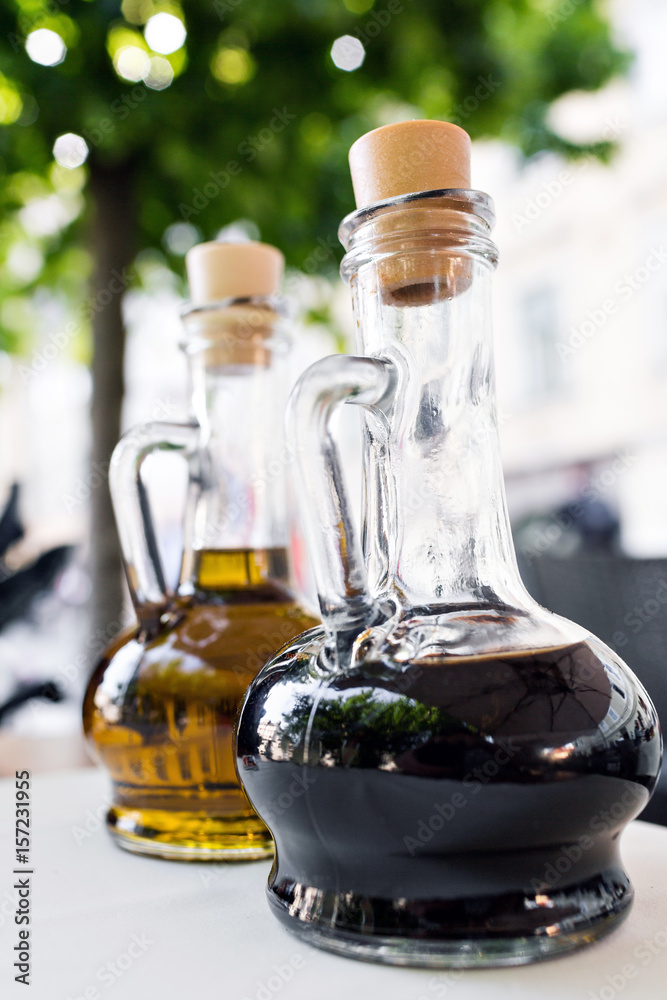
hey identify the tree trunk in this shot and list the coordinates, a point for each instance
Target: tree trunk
(113, 248)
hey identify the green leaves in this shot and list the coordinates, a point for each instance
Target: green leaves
(254, 84)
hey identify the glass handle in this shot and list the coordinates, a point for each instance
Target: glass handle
(337, 560)
(145, 576)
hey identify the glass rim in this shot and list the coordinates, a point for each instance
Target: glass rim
(469, 200)
(273, 303)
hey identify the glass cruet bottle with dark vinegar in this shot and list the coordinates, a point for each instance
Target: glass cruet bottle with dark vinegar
(445, 766)
(160, 706)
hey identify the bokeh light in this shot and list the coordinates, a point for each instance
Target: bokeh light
(46, 216)
(232, 65)
(45, 47)
(29, 111)
(24, 262)
(181, 237)
(160, 73)
(131, 63)
(137, 11)
(11, 104)
(588, 117)
(239, 231)
(70, 150)
(348, 53)
(165, 33)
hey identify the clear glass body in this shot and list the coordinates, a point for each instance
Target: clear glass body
(160, 706)
(464, 759)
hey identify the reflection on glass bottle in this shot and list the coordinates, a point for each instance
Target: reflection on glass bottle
(445, 766)
(160, 707)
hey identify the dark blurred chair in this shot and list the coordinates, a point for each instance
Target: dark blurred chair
(20, 589)
(622, 601)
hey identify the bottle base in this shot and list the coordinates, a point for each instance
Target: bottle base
(448, 947)
(189, 836)
(469, 954)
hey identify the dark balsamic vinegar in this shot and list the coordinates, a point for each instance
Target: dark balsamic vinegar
(457, 799)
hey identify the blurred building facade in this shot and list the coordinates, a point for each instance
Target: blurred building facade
(581, 305)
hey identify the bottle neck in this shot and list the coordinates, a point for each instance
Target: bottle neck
(436, 529)
(236, 524)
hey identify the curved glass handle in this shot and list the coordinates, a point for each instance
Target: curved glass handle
(145, 576)
(346, 604)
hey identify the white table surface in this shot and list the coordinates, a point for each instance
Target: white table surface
(204, 932)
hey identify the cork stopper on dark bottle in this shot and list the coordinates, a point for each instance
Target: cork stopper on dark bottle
(407, 158)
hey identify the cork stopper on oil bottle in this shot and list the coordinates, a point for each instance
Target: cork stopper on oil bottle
(407, 158)
(218, 272)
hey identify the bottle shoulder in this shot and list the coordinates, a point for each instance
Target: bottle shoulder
(199, 648)
(561, 708)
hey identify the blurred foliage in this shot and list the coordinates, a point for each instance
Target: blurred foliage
(258, 120)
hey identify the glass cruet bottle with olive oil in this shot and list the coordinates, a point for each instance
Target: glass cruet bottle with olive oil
(160, 706)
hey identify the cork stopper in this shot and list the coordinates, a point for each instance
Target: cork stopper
(237, 334)
(218, 271)
(408, 157)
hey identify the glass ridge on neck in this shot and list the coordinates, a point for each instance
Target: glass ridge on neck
(459, 210)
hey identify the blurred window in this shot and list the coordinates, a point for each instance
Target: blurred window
(539, 324)
(657, 337)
